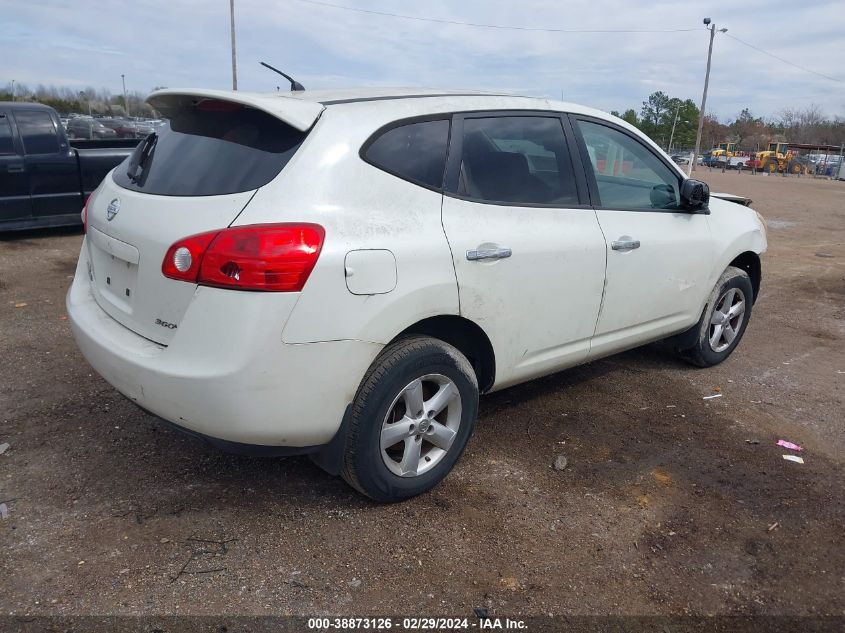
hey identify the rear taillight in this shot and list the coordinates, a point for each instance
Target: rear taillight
(183, 259)
(269, 257)
(85, 213)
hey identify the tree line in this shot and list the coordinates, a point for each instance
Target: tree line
(660, 113)
(670, 122)
(98, 102)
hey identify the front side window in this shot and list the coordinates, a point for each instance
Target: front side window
(628, 174)
(521, 160)
(37, 132)
(415, 152)
(6, 145)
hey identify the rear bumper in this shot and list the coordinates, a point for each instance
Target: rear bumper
(226, 374)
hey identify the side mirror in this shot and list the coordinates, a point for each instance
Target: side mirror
(695, 196)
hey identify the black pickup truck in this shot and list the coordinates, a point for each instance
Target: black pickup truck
(44, 178)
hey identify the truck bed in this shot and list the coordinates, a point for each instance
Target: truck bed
(45, 179)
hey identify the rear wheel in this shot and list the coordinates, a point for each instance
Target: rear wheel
(794, 167)
(724, 319)
(411, 419)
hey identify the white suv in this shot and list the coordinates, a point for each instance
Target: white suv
(342, 274)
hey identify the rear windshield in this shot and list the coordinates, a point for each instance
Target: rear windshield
(208, 151)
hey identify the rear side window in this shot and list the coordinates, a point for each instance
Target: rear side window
(6, 145)
(415, 152)
(37, 132)
(519, 160)
(215, 148)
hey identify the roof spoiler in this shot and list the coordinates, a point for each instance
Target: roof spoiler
(298, 113)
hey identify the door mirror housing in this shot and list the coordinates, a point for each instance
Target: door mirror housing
(695, 196)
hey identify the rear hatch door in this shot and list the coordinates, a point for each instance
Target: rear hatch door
(195, 174)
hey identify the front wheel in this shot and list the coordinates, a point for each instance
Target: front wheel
(724, 319)
(411, 419)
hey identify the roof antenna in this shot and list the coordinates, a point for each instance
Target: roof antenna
(294, 85)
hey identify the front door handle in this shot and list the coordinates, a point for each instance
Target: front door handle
(15, 169)
(625, 245)
(488, 253)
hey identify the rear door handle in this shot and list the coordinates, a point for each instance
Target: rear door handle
(15, 169)
(625, 245)
(489, 253)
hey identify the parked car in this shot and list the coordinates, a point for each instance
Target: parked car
(342, 274)
(154, 123)
(681, 159)
(122, 127)
(823, 164)
(90, 128)
(44, 180)
(144, 128)
(729, 162)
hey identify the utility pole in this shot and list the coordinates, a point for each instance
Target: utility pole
(674, 123)
(712, 29)
(125, 102)
(13, 89)
(234, 63)
(84, 95)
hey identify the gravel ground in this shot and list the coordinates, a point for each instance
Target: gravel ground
(668, 504)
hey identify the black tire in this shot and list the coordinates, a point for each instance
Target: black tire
(703, 353)
(397, 366)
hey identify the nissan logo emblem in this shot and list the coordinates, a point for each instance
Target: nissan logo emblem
(112, 209)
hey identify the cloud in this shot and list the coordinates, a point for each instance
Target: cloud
(186, 43)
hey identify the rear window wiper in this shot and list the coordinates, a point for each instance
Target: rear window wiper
(145, 149)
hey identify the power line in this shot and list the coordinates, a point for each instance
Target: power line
(503, 27)
(785, 61)
(506, 27)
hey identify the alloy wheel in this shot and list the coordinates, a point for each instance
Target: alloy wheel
(421, 425)
(726, 319)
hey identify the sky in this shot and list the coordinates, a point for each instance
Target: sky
(185, 43)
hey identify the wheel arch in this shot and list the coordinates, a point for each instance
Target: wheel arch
(749, 261)
(467, 336)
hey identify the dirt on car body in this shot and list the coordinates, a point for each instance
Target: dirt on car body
(669, 503)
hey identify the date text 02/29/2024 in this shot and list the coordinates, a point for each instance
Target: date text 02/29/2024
(415, 624)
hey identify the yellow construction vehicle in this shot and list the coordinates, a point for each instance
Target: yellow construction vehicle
(778, 157)
(722, 153)
(724, 149)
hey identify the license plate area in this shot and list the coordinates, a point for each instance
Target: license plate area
(116, 279)
(115, 269)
